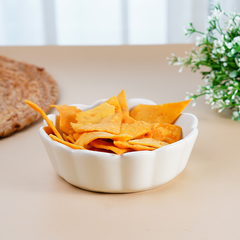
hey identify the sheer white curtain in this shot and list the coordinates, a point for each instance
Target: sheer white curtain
(181, 13)
(102, 22)
(229, 5)
(21, 22)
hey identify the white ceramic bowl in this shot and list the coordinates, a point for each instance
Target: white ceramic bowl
(130, 172)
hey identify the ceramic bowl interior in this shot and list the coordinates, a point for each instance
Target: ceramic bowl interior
(130, 172)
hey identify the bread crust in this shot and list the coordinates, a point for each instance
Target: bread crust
(20, 81)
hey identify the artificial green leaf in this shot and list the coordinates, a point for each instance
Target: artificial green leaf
(232, 64)
(233, 74)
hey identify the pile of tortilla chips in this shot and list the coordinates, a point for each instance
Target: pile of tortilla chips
(111, 127)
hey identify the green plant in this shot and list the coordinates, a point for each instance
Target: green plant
(219, 51)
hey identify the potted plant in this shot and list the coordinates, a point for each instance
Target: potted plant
(219, 51)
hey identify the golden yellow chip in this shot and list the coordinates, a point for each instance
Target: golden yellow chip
(74, 146)
(146, 135)
(135, 129)
(94, 115)
(108, 146)
(167, 132)
(44, 116)
(126, 145)
(92, 148)
(114, 102)
(127, 119)
(157, 134)
(76, 136)
(87, 137)
(148, 142)
(123, 102)
(64, 136)
(48, 130)
(110, 124)
(67, 115)
(166, 113)
(69, 138)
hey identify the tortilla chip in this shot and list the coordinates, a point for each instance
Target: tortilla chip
(44, 116)
(110, 124)
(135, 129)
(114, 102)
(92, 148)
(87, 137)
(67, 115)
(127, 119)
(126, 145)
(69, 138)
(48, 130)
(94, 115)
(64, 136)
(108, 146)
(157, 134)
(65, 143)
(146, 135)
(123, 102)
(148, 142)
(166, 113)
(76, 136)
(167, 132)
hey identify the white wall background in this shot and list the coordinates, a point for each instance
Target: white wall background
(102, 22)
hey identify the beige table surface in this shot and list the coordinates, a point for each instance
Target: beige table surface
(202, 202)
